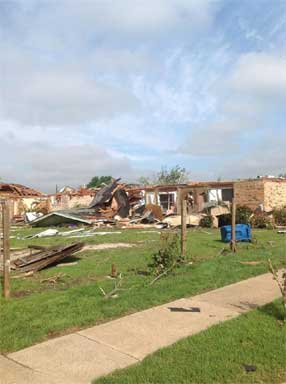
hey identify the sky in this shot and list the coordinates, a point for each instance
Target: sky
(124, 87)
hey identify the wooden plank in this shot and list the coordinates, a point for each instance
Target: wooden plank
(43, 259)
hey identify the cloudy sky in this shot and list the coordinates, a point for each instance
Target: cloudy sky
(123, 87)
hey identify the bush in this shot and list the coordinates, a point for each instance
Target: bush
(243, 214)
(206, 221)
(280, 216)
(169, 253)
(261, 220)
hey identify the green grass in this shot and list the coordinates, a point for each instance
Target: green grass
(40, 310)
(217, 355)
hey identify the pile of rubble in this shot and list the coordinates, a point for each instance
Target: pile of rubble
(111, 205)
(114, 204)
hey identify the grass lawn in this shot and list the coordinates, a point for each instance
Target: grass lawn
(39, 310)
(217, 355)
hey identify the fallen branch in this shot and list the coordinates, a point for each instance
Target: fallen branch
(53, 279)
(281, 284)
(113, 292)
(163, 274)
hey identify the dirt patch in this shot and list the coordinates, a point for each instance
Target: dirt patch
(99, 247)
(19, 294)
(53, 334)
(251, 262)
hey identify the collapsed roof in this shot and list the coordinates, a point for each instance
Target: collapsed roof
(110, 201)
(18, 190)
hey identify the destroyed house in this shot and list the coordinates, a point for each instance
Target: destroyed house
(263, 193)
(21, 198)
(68, 198)
(199, 194)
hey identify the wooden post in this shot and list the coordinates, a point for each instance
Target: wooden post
(233, 220)
(178, 201)
(183, 225)
(156, 193)
(113, 271)
(6, 248)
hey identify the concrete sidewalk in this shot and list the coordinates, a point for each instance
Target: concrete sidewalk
(83, 356)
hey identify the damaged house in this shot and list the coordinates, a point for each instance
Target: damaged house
(23, 199)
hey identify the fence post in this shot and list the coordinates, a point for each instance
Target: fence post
(6, 248)
(183, 225)
(233, 221)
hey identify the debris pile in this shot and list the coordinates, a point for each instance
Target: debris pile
(111, 205)
(44, 257)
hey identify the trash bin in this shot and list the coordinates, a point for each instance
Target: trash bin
(242, 233)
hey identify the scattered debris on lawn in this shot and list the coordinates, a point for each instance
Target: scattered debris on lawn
(178, 309)
(53, 279)
(47, 233)
(76, 233)
(26, 274)
(165, 273)
(175, 220)
(40, 260)
(249, 368)
(67, 264)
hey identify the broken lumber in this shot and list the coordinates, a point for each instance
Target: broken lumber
(42, 259)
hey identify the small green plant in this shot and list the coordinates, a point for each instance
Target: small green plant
(206, 221)
(168, 255)
(243, 214)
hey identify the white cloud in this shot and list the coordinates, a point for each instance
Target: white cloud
(260, 75)
(57, 95)
(43, 165)
(246, 139)
(139, 78)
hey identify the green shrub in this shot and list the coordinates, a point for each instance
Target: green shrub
(169, 253)
(243, 214)
(206, 221)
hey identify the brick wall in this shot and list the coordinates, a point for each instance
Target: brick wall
(274, 194)
(249, 193)
(66, 201)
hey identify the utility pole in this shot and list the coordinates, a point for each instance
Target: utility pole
(6, 247)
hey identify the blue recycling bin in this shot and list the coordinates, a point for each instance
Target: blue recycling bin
(242, 233)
